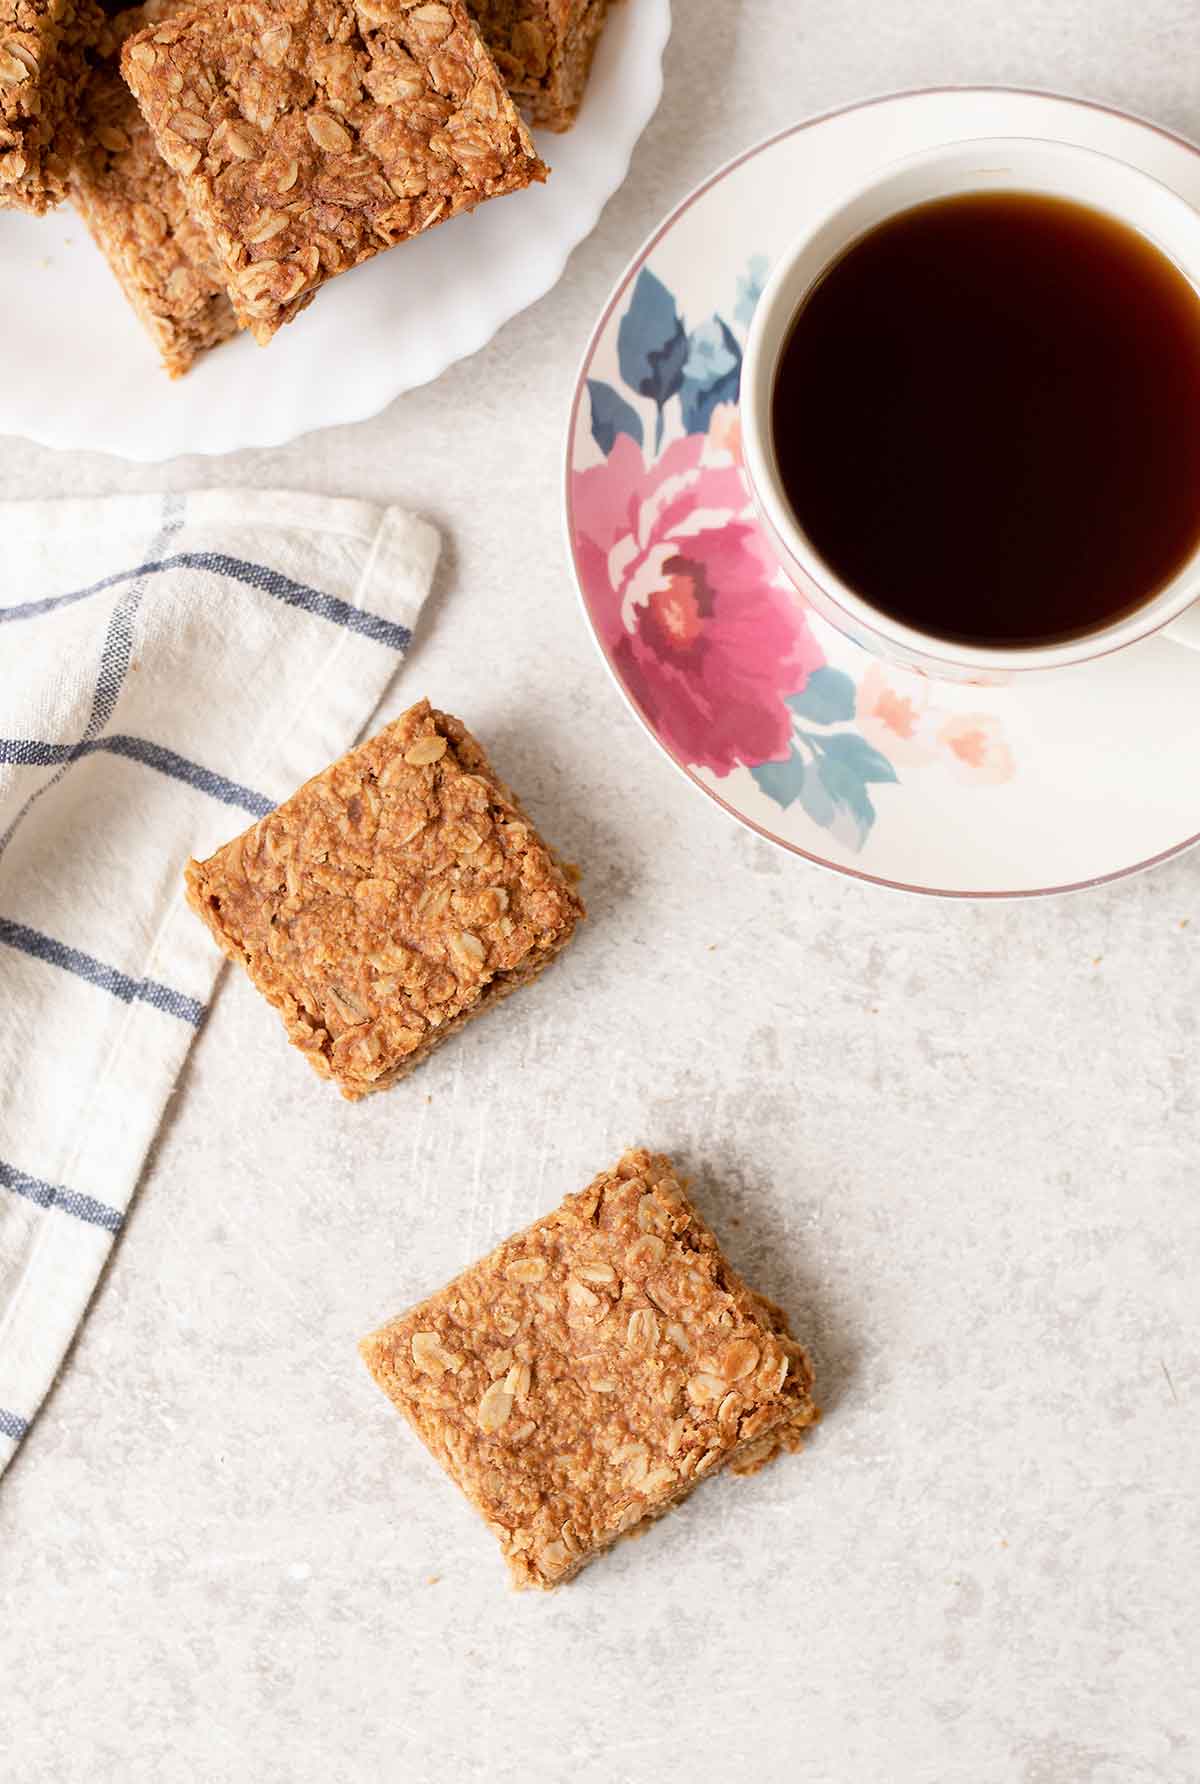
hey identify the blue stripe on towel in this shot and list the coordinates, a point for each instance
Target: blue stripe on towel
(108, 978)
(12, 1424)
(31, 752)
(257, 576)
(53, 1195)
(114, 666)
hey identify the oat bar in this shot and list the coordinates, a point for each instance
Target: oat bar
(134, 207)
(389, 901)
(311, 134)
(43, 67)
(581, 1379)
(544, 50)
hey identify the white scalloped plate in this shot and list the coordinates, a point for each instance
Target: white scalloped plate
(77, 371)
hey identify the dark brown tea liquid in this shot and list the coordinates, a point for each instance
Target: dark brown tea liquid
(987, 418)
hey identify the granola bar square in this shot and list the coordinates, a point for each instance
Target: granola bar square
(390, 900)
(135, 210)
(311, 134)
(581, 1379)
(43, 67)
(544, 50)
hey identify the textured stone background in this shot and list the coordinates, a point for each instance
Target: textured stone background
(959, 1143)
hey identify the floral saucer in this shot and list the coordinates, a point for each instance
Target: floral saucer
(1057, 782)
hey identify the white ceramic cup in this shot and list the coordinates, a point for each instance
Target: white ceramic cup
(1022, 164)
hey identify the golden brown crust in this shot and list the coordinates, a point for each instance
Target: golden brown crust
(134, 207)
(43, 67)
(311, 134)
(544, 50)
(388, 901)
(581, 1379)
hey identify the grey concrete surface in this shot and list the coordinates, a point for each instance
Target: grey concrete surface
(959, 1142)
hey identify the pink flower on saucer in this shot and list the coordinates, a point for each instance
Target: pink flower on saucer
(974, 748)
(681, 590)
(892, 712)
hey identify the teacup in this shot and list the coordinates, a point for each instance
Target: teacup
(1021, 165)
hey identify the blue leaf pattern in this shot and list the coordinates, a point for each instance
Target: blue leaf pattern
(781, 781)
(831, 784)
(815, 799)
(712, 352)
(612, 415)
(750, 288)
(827, 697)
(850, 800)
(652, 343)
(712, 373)
(857, 757)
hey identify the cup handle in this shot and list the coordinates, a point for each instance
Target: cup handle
(1186, 629)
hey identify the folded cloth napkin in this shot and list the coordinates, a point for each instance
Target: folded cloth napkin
(170, 668)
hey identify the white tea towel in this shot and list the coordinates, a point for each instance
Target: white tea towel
(170, 668)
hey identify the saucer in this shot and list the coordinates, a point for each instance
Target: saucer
(1056, 782)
